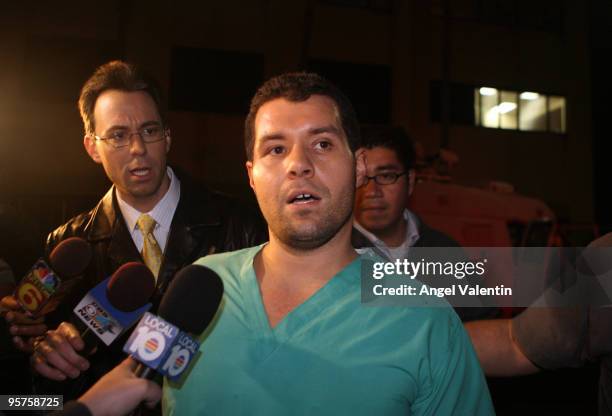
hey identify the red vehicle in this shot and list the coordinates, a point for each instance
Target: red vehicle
(494, 217)
(481, 218)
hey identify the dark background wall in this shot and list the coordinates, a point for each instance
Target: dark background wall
(210, 56)
(390, 56)
(601, 68)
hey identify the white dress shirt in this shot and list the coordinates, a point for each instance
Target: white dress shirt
(393, 253)
(162, 213)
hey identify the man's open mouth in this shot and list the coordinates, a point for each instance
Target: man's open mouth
(140, 171)
(303, 198)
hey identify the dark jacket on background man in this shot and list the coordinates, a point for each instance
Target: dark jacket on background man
(204, 222)
(430, 237)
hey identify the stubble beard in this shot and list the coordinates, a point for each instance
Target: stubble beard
(318, 232)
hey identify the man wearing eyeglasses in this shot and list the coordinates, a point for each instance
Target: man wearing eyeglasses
(148, 215)
(382, 223)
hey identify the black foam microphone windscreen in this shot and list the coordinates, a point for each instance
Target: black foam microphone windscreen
(192, 299)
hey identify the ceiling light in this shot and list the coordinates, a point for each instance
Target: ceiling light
(506, 107)
(528, 95)
(487, 91)
(503, 108)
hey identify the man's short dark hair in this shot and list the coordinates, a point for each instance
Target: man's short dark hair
(298, 87)
(391, 137)
(117, 75)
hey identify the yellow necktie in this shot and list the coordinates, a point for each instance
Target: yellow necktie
(151, 253)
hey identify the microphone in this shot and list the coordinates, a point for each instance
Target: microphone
(161, 344)
(42, 289)
(114, 304)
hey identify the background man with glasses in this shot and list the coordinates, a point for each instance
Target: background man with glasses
(382, 221)
(383, 224)
(148, 215)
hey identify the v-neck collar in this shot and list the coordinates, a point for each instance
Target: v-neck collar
(305, 313)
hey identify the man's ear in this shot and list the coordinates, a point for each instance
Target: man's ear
(168, 140)
(249, 168)
(411, 181)
(360, 167)
(92, 150)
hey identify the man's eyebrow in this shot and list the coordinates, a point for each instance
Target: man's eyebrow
(326, 129)
(151, 123)
(268, 137)
(124, 127)
(314, 131)
(390, 166)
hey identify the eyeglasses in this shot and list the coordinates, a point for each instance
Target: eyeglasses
(385, 178)
(121, 138)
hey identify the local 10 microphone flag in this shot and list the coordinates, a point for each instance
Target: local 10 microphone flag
(161, 346)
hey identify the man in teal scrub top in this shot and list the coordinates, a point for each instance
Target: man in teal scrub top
(292, 336)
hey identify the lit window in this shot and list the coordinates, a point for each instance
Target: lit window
(525, 111)
(477, 107)
(507, 109)
(556, 111)
(489, 98)
(533, 111)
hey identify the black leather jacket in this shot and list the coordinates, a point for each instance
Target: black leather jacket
(205, 222)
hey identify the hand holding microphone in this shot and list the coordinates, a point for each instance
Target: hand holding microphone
(22, 327)
(189, 304)
(40, 291)
(120, 391)
(102, 315)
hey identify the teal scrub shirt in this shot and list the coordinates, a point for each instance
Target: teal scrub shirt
(329, 356)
